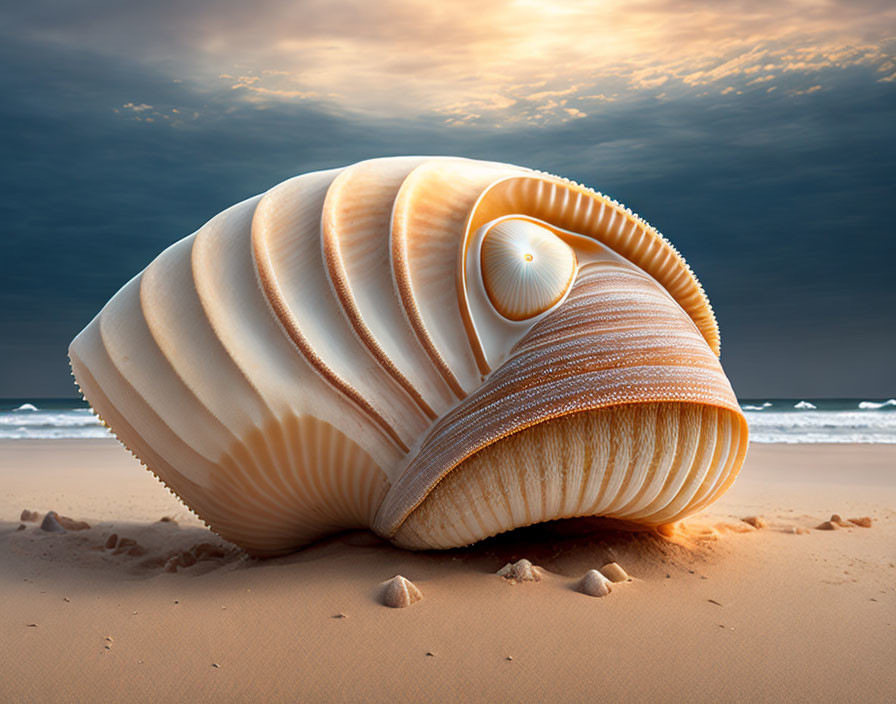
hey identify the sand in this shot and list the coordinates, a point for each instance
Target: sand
(718, 610)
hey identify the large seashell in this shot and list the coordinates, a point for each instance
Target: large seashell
(439, 349)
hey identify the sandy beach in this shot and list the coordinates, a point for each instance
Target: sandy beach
(717, 611)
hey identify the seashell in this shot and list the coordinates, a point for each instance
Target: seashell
(520, 571)
(594, 584)
(51, 523)
(399, 592)
(827, 525)
(438, 349)
(614, 572)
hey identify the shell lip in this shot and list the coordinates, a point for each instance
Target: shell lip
(402, 500)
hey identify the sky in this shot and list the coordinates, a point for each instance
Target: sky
(757, 136)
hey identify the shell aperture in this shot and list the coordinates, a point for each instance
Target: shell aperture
(436, 348)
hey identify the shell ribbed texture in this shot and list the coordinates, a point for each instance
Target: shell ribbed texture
(685, 454)
(306, 362)
(617, 342)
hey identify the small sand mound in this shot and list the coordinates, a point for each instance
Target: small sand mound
(54, 523)
(796, 530)
(862, 522)
(29, 516)
(614, 572)
(755, 521)
(594, 584)
(72, 524)
(520, 571)
(398, 592)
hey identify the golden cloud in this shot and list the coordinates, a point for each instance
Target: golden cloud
(503, 60)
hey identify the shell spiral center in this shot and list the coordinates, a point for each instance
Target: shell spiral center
(526, 268)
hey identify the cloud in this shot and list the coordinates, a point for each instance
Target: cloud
(469, 61)
(761, 79)
(257, 91)
(807, 91)
(776, 199)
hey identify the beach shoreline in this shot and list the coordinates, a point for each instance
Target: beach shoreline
(720, 611)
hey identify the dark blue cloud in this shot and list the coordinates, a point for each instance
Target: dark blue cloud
(782, 203)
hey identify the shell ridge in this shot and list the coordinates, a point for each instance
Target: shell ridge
(190, 369)
(688, 452)
(340, 282)
(277, 297)
(438, 259)
(131, 350)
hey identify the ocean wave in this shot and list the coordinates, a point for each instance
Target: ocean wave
(785, 421)
(51, 424)
(874, 405)
(45, 433)
(51, 419)
(822, 426)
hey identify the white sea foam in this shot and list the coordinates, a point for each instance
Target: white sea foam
(874, 405)
(51, 424)
(822, 426)
(782, 421)
(25, 407)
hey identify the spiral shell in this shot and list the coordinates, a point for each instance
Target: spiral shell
(435, 348)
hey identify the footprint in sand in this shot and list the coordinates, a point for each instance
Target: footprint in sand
(198, 553)
(836, 522)
(124, 546)
(756, 521)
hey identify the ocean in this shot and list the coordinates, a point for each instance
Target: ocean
(771, 420)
